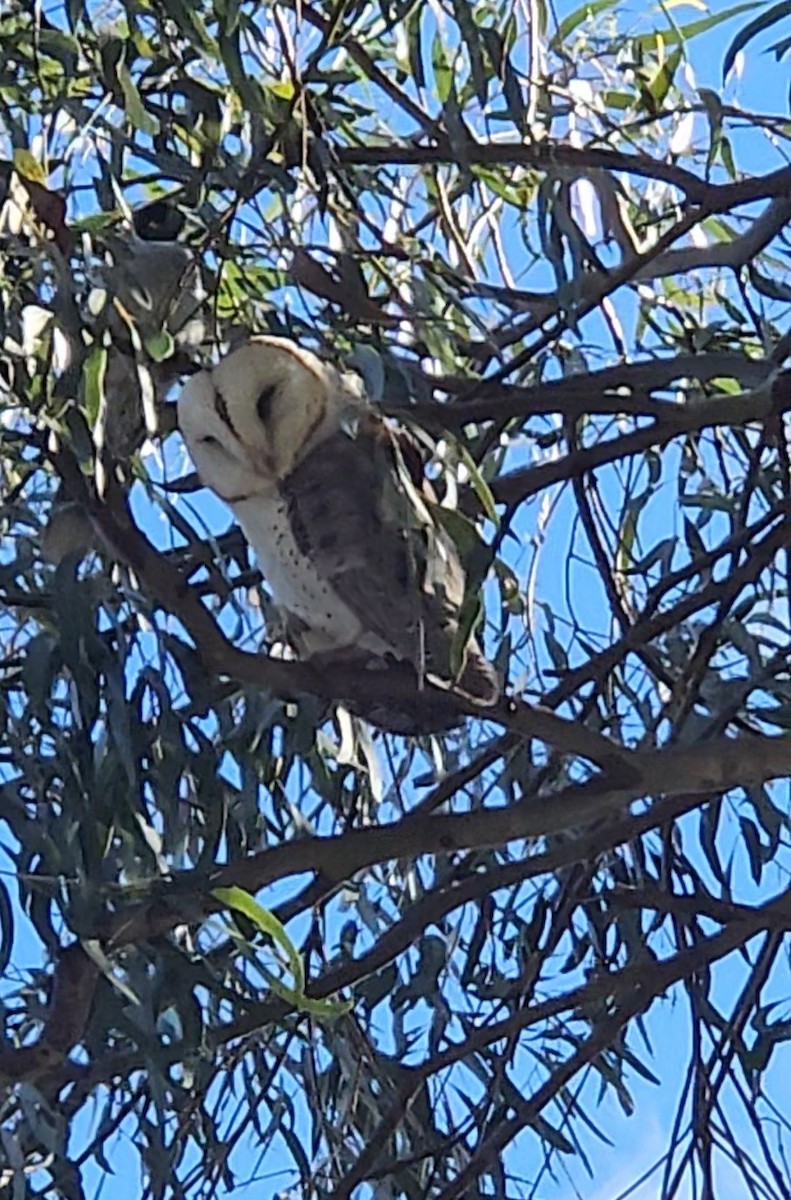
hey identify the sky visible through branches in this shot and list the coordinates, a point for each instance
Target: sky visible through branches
(549, 538)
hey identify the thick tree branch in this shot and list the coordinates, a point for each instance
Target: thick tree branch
(699, 772)
(627, 388)
(711, 768)
(557, 156)
(711, 413)
(733, 254)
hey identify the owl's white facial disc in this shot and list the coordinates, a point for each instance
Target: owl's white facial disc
(248, 421)
(247, 424)
(217, 453)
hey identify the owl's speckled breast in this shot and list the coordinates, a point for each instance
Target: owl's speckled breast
(296, 585)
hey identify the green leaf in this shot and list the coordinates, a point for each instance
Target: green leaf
(93, 948)
(772, 820)
(443, 71)
(627, 536)
(94, 373)
(189, 21)
(557, 653)
(726, 154)
(619, 100)
(638, 1065)
(133, 104)
(765, 21)
(230, 11)
(27, 165)
(662, 81)
(75, 12)
(752, 843)
(468, 619)
(552, 1136)
(780, 49)
(416, 48)
(41, 663)
(472, 37)
(464, 533)
(265, 921)
(685, 33)
(249, 92)
(576, 18)
(160, 346)
(6, 928)
(480, 486)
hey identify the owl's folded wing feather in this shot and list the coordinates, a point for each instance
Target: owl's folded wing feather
(343, 520)
(360, 509)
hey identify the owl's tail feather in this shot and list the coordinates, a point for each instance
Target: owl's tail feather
(413, 719)
(409, 709)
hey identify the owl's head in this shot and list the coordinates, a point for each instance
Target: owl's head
(249, 421)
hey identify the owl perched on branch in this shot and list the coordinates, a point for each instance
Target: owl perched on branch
(335, 503)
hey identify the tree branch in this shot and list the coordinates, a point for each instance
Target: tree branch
(559, 156)
(761, 553)
(631, 989)
(710, 768)
(711, 413)
(594, 392)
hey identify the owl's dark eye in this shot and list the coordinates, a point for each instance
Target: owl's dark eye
(263, 405)
(210, 440)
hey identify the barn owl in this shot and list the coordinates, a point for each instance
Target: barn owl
(334, 502)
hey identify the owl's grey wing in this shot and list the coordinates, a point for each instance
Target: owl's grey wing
(441, 579)
(358, 507)
(338, 511)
